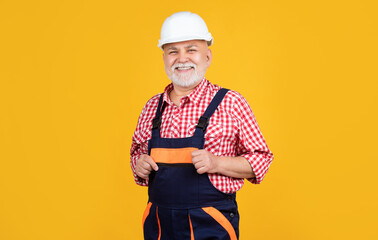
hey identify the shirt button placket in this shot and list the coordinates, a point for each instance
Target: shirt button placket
(175, 122)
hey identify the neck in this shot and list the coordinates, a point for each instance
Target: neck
(178, 92)
(182, 91)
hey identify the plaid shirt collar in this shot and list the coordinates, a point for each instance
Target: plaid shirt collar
(195, 96)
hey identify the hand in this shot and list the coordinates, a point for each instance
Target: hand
(144, 165)
(204, 161)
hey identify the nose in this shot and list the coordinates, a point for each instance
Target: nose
(182, 57)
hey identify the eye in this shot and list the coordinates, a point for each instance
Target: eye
(172, 52)
(192, 50)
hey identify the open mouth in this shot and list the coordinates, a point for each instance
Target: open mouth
(183, 69)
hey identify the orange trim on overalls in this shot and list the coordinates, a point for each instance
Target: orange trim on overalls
(222, 220)
(191, 229)
(146, 212)
(157, 216)
(172, 155)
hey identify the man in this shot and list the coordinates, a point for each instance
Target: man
(195, 143)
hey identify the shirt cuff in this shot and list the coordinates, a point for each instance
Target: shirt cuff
(138, 180)
(260, 164)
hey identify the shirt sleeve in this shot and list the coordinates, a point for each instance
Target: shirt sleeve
(141, 135)
(251, 144)
(135, 152)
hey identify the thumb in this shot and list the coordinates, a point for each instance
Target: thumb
(152, 163)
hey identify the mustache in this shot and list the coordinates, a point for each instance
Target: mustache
(177, 65)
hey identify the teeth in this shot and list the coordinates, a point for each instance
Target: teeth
(184, 68)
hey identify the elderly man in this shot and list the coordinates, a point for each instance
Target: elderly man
(195, 143)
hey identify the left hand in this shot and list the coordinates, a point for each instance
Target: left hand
(204, 161)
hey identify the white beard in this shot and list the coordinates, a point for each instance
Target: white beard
(185, 79)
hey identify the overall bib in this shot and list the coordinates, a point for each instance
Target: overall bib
(184, 205)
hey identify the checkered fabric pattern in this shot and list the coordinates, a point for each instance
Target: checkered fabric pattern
(232, 131)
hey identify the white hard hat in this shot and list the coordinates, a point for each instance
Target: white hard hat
(184, 26)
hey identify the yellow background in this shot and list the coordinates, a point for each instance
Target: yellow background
(74, 76)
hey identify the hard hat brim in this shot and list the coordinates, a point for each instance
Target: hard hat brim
(208, 39)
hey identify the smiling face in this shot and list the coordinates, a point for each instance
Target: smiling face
(186, 62)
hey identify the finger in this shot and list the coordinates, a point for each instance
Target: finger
(141, 160)
(145, 171)
(196, 152)
(201, 170)
(143, 168)
(147, 162)
(143, 174)
(200, 158)
(196, 165)
(198, 155)
(152, 163)
(199, 164)
(195, 159)
(145, 165)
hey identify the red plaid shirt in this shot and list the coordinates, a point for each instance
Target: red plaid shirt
(232, 131)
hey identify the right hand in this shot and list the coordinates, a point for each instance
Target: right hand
(144, 165)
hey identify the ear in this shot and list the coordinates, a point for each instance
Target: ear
(163, 50)
(209, 56)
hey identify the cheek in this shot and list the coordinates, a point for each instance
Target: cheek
(201, 62)
(202, 66)
(167, 66)
(167, 70)
(168, 63)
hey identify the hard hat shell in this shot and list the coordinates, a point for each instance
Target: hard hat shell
(184, 26)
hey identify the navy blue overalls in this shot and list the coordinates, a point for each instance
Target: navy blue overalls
(184, 205)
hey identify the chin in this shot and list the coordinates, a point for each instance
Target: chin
(193, 80)
(185, 83)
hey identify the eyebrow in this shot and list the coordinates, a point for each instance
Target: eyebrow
(189, 46)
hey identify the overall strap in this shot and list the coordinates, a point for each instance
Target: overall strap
(203, 122)
(156, 122)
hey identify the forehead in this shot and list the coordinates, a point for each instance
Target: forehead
(185, 44)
